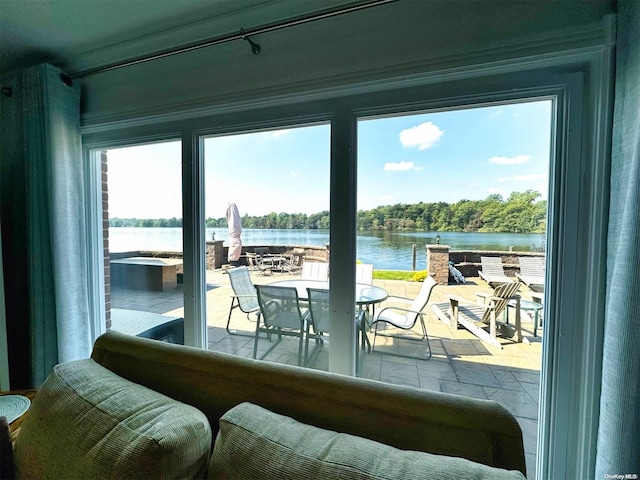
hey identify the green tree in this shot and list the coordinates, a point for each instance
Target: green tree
(521, 212)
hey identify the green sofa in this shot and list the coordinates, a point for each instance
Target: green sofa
(278, 411)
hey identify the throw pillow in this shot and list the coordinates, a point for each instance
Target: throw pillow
(256, 443)
(87, 422)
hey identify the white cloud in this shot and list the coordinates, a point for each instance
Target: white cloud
(279, 133)
(294, 173)
(496, 114)
(495, 190)
(422, 136)
(510, 160)
(400, 166)
(386, 198)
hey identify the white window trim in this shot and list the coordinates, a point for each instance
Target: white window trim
(95, 240)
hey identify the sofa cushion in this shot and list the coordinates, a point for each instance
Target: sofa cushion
(87, 422)
(256, 443)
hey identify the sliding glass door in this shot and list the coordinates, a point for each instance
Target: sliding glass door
(438, 193)
(267, 220)
(285, 176)
(141, 194)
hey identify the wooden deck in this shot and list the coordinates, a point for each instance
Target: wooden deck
(461, 363)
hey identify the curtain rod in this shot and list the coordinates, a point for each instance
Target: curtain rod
(243, 34)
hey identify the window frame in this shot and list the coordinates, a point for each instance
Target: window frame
(581, 84)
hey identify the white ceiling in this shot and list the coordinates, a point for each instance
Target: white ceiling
(81, 34)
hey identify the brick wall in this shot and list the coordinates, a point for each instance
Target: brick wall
(105, 235)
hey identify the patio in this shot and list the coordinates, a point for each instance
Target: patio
(461, 364)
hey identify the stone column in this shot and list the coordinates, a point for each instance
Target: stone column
(215, 254)
(438, 263)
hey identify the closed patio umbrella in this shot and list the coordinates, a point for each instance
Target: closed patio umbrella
(235, 229)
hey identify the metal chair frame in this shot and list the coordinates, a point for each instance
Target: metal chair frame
(416, 308)
(244, 297)
(319, 320)
(280, 312)
(254, 261)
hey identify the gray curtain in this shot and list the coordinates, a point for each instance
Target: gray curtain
(58, 286)
(4, 351)
(619, 430)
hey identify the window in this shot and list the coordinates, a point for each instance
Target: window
(142, 239)
(471, 180)
(267, 211)
(575, 263)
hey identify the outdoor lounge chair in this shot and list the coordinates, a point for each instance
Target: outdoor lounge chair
(531, 271)
(492, 271)
(244, 296)
(481, 318)
(280, 315)
(406, 318)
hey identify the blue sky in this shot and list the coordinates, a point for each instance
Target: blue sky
(446, 156)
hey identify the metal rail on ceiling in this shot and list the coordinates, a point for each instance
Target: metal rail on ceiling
(243, 34)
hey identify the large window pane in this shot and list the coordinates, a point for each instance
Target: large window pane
(142, 210)
(441, 191)
(267, 212)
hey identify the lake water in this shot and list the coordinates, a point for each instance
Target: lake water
(386, 250)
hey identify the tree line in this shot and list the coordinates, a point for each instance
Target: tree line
(145, 222)
(521, 212)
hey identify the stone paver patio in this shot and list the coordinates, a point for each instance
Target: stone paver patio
(461, 363)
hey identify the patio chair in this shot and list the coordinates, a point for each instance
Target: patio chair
(319, 321)
(406, 318)
(244, 296)
(270, 262)
(492, 271)
(481, 318)
(315, 271)
(364, 274)
(293, 262)
(531, 271)
(280, 315)
(255, 263)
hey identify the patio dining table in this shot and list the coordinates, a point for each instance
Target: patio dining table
(365, 294)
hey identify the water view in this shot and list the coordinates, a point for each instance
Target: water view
(386, 250)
